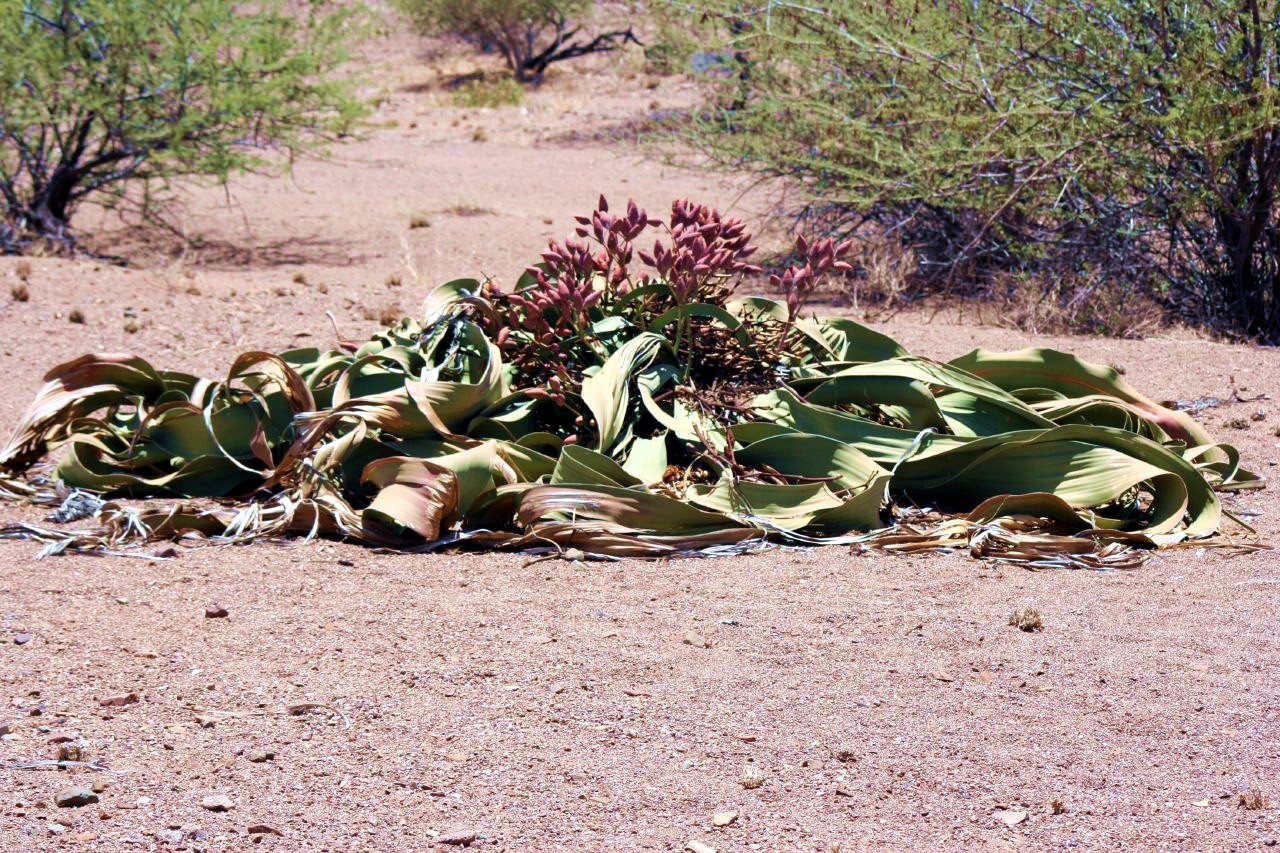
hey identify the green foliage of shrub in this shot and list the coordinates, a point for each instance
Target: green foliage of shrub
(530, 35)
(1139, 139)
(672, 41)
(100, 96)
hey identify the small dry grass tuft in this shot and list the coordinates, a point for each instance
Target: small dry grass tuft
(1238, 423)
(76, 316)
(1252, 801)
(19, 292)
(1073, 304)
(299, 278)
(394, 280)
(22, 270)
(885, 279)
(390, 314)
(481, 91)
(419, 220)
(467, 210)
(479, 135)
(1057, 807)
(387, 314)
(1027, 619)
(131, 326)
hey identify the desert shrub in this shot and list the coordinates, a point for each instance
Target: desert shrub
(530, 35)
(1136, 140)
(101, 97)
(486, 91)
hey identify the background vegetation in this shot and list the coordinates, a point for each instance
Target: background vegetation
(530, 35)
(109, 99)
(1133, 143)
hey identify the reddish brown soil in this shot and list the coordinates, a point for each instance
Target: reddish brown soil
(554, 705)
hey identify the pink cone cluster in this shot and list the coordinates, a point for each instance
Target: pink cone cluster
(816, 260)
(546, 328)
(705, 248)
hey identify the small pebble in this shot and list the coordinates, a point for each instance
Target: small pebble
(218, 803)
(74, 798)
(458, 836)
(262, 829)
(172, 836)
(21, 639)
(215, 611)
(260, 756)
(693, 638)
(1010, 817)
(723, 818)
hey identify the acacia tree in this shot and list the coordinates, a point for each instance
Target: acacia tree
(1137, 140)
(530, 35)
(107, 98)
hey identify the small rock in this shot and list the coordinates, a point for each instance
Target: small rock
(1203, 804)
(457, 836)
(172, 836)
(261, 756)
(693, 638)
(74, 798)
(147, 654)
(99, 786)
(85, 836)
(206, 722)
(168, 552)
(121, 600)
(119, 701)
(694, 846)
(55, 827)
(457, 757)
(218, 803)
(723, 818)
(263, 829)
(943, 676)
(21, 639)
(751, 778)
(215, 611)
(6, 729)
(1009, 817)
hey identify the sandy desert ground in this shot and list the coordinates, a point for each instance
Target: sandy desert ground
(353, 700)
